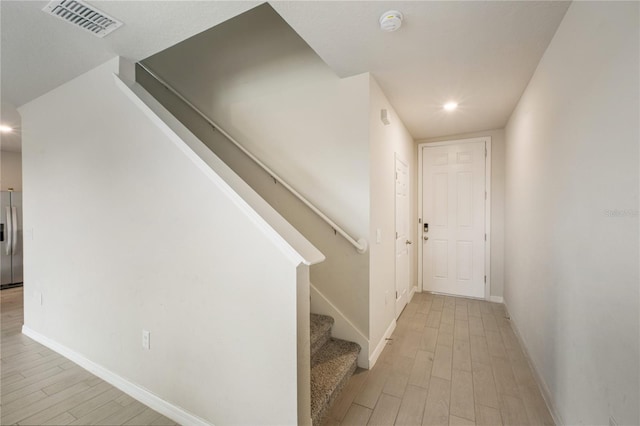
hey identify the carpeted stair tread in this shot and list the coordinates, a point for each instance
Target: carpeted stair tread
(320, 331)
(331, 368)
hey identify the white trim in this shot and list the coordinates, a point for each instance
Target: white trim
(496, 299)
(137, 392)
(381, 344)
(413, 291)
(342, 328)
(542, 385)
(487, 251)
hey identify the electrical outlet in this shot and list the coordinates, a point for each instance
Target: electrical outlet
(146, 339)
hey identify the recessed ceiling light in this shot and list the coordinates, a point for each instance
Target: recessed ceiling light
(5, 129)
(450, 106)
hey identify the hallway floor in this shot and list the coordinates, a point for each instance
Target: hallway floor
(40, 387)
(451, 361)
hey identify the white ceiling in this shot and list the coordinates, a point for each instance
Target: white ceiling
(480, 53)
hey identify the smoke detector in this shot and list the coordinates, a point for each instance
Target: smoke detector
(390, 21)
(83, 15)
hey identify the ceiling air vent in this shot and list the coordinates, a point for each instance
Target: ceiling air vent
(84, 16)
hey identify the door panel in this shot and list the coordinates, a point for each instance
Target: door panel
(402, 235)
(454, 209)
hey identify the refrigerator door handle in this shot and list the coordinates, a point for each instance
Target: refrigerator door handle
(9, 232)
(14, 224)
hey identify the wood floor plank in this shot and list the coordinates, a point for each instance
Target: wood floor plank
(461, 355)
(43, 403)
(429, 339)
(484, 387)
(124, 414)
(461, 312)
(448, 315)
(461, 330)
(458, 421)
(20, 403)
(442, 362)
(433, 319)
(462, 402)
(494, 344)
(146, 417)
(62, 419)
(534, 404)
(357, 415)
(341, 405)
(412, 406)
(99, 415)
(65, 405)
(163, 421)
(487, 416)
(386, 411)
(489, 322)
(372, 388)
(436, 411)
(473, 309)
(94, 403)
(503, 375)
(479, 350)
(18, 389)
(513, 411)
(421, 370)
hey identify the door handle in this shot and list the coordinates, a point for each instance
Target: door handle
(14, 237)
(9, 232)
(408, 242)
(425, 238)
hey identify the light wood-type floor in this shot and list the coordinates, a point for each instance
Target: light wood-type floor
(40, 387)
(451, 361)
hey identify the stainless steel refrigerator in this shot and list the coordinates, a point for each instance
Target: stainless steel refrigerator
(11, 238)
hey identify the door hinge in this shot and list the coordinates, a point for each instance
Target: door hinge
(485, 237)
(485, 152)
(485, 279)
(396, 294)
(485, 195)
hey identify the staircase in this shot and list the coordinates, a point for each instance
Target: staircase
(333, 361)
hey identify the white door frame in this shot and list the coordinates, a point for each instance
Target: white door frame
(487, 206)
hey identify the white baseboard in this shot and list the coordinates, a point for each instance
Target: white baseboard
(542, 385)
(413, 291)
(143, 395)
(343, 328)
(496, 299)
(381, 344)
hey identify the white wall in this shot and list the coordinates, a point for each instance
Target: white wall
(265, 86)
(497, 201)
(571, 278)
(10, 170)
(385, 142)
(129, 234)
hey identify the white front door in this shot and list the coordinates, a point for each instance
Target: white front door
(453, 219)
(402, 235)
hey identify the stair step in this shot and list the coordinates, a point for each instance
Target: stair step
(331, 368)
(320, 332)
